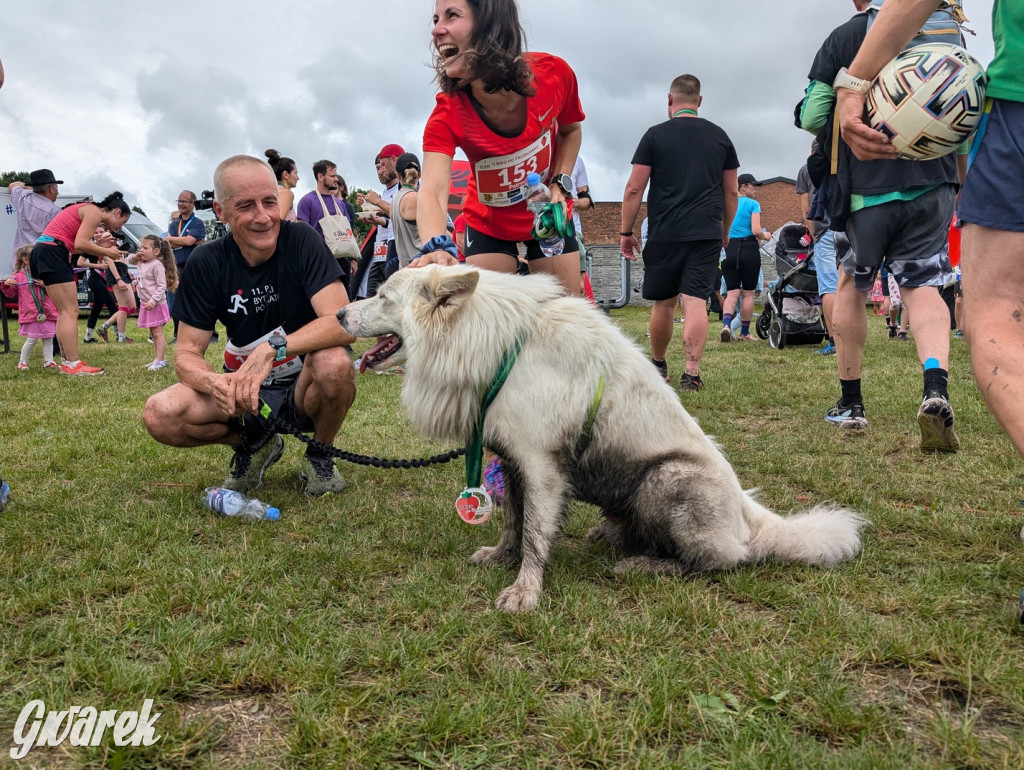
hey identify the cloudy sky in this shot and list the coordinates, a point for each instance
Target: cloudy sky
(148, 96)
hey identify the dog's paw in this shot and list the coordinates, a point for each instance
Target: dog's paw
(515, 598)
(598, 533)
(485, 555)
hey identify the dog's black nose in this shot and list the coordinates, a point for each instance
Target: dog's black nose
(340, 315)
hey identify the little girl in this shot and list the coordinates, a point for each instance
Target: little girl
(876, 294)
(119, 283)
(37, 315)
(157, 276)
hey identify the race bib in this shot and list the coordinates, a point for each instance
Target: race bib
(380, 252)
(501, 181)
(234, 357)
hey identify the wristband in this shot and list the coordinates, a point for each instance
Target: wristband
(439, 243)
(625, 235)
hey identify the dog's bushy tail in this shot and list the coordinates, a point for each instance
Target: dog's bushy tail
(824, 535)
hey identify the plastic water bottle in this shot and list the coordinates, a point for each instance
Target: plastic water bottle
(5, 493)
(538, 194)
(232, 503)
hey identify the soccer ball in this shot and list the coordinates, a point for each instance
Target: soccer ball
(928, 100)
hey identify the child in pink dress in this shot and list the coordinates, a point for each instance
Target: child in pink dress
(157, 276)
(877, 295)
(37, 315)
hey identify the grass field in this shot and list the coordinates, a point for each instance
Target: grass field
(354, 632)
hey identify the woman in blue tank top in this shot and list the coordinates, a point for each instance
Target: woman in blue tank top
(742, 263)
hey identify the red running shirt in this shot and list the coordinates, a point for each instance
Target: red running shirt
(494, 197)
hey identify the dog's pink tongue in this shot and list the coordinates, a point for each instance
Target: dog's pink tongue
(369, 354)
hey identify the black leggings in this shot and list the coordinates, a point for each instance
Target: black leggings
(101, 298)
(742, 264)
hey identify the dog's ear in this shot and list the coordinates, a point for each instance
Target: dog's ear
(447, 288)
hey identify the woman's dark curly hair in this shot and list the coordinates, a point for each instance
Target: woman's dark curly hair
(495, 53)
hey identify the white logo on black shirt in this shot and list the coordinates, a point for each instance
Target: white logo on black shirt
(237, 303)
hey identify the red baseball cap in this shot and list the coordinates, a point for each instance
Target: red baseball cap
(390, 151)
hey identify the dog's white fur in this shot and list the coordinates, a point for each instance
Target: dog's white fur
(671, 500)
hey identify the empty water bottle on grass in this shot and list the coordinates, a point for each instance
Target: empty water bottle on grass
(537, 196)
(232, 503)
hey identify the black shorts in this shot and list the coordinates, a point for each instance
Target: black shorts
(482, 243)
(51, 263)
(742, 264)
(281, 400)
(123, 274)
(681, 267)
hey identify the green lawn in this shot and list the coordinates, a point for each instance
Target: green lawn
(354, 632)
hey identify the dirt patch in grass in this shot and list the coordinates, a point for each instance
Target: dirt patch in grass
(249, 729)
(920, 698)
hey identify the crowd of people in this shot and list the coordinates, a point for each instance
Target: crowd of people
(275, 284)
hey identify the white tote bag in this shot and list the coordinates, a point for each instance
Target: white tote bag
(338, 232)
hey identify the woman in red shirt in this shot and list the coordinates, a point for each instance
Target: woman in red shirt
(70, 232)
(512, 113)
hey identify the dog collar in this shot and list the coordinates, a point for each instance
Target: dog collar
(474, 505)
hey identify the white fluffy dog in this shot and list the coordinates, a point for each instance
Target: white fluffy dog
(671, 501)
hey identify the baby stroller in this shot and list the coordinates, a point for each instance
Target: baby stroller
(792, 310)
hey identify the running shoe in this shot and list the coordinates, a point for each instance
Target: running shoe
(958, 333)
(662, 368)
(22, 366)
(828, 350)
(747, 338)
(51, 365)
(851, 416)
(104, 332)
(892, 332)
(936, 420)
(89, 340)
(247, 470)
(155, 366)
(81, 368)
(726, 335)
(902, 337)
(690, 382)
(321, 476)
(127, 341)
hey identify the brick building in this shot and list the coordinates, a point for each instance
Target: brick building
(778, 198)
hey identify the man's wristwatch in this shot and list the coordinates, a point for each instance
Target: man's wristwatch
(845, 80)
(279, 343)
(565, 182)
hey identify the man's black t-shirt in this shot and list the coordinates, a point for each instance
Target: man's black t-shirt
(875, 177)
(252, 302)
(687, 157)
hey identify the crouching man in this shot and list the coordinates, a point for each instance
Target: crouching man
(275, 287)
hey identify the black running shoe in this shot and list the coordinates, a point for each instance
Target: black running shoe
(936, 420)
(847, 416)
(662, 368)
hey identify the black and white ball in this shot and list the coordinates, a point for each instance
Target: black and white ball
(928, 100)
